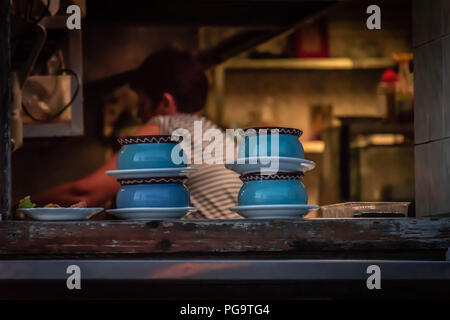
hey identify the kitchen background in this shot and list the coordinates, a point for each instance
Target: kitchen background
(308, 79)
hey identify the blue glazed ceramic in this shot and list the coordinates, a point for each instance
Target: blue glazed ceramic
(282, 188)
(288, 143)
(137, 194)
(148, 152)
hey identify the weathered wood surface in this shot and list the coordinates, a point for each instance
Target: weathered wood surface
(350, 238)
(5, 140)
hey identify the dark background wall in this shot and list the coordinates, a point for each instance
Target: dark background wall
(107, 50)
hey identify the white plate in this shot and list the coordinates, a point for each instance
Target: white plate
(285, 164)
(150, 173)
(150, 213)
(279, 211)
(60, 214)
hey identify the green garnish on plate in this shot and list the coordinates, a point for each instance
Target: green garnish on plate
(26, 203)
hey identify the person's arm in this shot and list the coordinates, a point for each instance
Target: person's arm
(95, 189)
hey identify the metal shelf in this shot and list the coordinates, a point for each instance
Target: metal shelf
(224, 270)
(289, 64)
(309, 64)
(223, 279)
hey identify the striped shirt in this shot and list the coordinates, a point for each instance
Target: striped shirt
(212, 187)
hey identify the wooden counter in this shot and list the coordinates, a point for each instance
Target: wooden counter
(402, 238)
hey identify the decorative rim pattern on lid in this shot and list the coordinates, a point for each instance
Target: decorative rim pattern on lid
(281, 130)
(155, 180)
(149, 139)
(278, 176)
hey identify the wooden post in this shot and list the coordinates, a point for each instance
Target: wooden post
(5, 111)
(431, 107)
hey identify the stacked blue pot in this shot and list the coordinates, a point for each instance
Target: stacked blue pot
(151, 171)
(271, 165)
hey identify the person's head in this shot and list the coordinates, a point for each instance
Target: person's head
(170, 81)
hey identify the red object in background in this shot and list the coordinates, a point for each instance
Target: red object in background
(389, 75)
(312, 40)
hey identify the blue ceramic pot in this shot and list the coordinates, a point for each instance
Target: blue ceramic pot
(288, 143)
(282, 188)
(148, 152)
(135, 193)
